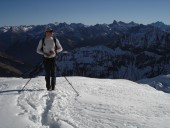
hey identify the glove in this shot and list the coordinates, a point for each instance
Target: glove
(52, 52)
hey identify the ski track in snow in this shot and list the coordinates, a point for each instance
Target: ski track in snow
(101, 104)
(45, 107)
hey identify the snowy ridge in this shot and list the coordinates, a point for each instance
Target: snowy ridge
(105, 103)
(159, 83)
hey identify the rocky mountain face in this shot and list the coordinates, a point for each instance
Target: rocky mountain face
(11, 67)
(104, 62)
(118, 50)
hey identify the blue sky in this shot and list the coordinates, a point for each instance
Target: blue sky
(89, 12)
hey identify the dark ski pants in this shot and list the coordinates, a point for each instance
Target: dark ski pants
(50, 70)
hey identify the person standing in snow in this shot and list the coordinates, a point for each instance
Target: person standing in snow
(49, 47)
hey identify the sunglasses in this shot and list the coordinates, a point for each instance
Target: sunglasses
(49, 31)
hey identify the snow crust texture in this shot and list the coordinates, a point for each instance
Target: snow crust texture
(103, 103)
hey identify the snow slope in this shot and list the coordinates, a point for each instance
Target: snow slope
(103, 103)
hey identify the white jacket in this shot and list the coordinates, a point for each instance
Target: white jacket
(49, 45)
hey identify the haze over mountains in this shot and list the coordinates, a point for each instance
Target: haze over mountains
(117, 50)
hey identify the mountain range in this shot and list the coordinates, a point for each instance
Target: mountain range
(117, 50)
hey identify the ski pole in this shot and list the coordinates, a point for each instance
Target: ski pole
(71, 85)
(25, 85)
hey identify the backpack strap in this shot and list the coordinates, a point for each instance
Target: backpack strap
(55, 43)
(43, 44)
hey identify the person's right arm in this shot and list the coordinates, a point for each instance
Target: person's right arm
(39, 50)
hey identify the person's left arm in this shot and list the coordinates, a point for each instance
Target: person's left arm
(59, 47)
